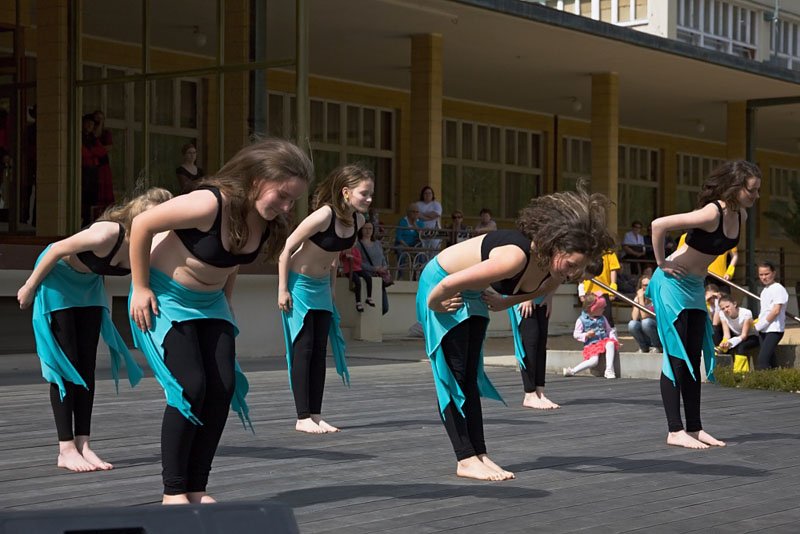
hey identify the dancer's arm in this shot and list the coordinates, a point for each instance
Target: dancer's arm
(498, 266)
(705, 218)
(197, 209)
(228, 289)
(316, 222)
(99, 238)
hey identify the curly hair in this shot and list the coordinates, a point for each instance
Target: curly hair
(725, 182)
(329, 192)
(242, 177)
(125, 212)
(567, 221)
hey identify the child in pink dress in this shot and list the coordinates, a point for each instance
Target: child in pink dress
(597, 336)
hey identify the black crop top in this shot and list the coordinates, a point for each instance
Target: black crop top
(207, 246)
(499, 238)
(716, 242)
(328, 240)
(102, 266)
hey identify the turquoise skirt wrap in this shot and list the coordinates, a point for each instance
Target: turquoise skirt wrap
(436, 325)
(515, 318)
(670, 296)
(63, 288)
(176, 304)
(312, 294)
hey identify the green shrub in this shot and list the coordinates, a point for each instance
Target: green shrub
(769, 379)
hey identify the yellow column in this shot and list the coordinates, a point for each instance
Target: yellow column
(237, 87)
(736, 129)
(426, 117)
(605, 139)
(52, 91)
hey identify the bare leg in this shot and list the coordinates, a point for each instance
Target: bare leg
(82, 444)
(507, 475)
(473, 467)
(682, 439)
(183, 498)
(326, 427)
(200, 497)
(70, 458)
(308, 426)
(538, 401)
(704, 437)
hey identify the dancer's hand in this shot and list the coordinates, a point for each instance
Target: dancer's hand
(25, 296)
(526, 309)
(284, 301)
(673, 268)
(142, 302)
(448, 305)
(494, 301)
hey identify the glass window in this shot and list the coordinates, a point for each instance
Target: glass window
(189, 100)
(353, 121)
(368, 115)
(317, 121)
(333, 124)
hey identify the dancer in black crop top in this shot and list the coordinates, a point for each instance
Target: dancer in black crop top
(75, 320)
(307, 271)
(558, 235)
(678, 285)
(188, 332)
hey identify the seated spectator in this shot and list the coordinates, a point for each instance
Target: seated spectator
(374, 217)
(374, 261)
(737, 326)
(430, 213)
(486, 223)
(643, 326)
(457, 232)
(407, 236)
(633, 247)
(608, 277)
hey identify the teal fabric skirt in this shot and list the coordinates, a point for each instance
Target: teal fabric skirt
(670, 296)
(64, 288)
(176, 304)
(515, 318)
(436, 325)
(312, 294)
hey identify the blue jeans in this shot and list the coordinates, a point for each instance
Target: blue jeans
(645, 333)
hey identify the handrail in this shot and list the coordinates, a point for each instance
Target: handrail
(623, 297)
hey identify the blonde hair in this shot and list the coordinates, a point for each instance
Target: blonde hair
(329, 192)
(588, 300)
(242, 177)
(124, 213)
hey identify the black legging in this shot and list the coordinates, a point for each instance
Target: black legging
(200, 355)
(308, 363)
(462, 349)
(355, 276)
(533, 331)
(766, 356)
(691, 327)
(77, 331)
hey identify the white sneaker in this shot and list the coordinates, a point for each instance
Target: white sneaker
(566, 371)
(610, 374)
(655, 350)
(640, 351)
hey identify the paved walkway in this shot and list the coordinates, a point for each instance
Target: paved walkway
(599, 464)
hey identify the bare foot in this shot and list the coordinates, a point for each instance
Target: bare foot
(69, 458)
(538, 401)
(704, 437)
(507, 475)
(472, 467)
(308, 426)
(682, 439)
(175, 499)
(200, 497)
(326, 427)
(82, 444)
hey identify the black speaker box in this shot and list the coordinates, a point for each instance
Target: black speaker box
(220, 518)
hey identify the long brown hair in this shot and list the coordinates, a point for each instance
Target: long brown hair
(125, 212)
(567, 221)
(329, 192)
(725, 182)
(240, 179)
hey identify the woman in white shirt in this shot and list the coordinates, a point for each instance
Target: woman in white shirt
(772, 319)
(430, 212)
(737, 325)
